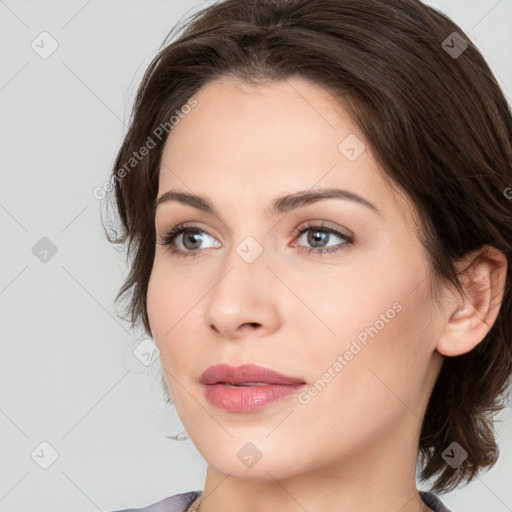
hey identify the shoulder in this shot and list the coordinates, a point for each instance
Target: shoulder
(433, 502)
(176, 503)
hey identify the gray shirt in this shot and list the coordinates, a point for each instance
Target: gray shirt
(180, 503)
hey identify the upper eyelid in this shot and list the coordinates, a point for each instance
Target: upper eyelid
(306, 224)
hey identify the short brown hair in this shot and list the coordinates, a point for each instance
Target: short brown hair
(436, 121)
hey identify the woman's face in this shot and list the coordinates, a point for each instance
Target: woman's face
(356, 324)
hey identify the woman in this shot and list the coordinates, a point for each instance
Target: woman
(314, 193)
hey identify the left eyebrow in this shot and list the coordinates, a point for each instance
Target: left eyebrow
(303, 198)
(279, 205)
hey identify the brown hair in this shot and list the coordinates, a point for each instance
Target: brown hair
(436, 121)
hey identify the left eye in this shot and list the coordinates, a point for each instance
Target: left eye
(317, 236)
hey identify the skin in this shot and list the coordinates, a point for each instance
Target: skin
(354, 445)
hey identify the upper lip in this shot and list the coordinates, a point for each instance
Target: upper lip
(224, 373)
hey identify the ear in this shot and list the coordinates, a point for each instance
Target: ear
(470, 317)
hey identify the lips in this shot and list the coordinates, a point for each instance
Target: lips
(247, 388)
(246, 374)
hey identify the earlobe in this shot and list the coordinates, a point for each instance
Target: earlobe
(471, 317)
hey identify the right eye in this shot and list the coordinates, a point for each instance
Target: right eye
(188, 236)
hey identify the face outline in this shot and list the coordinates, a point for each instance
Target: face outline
(289, 310)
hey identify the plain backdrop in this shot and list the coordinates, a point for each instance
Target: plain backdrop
(82, 421)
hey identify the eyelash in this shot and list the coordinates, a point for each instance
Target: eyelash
(169, 237)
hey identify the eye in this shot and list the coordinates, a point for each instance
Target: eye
(319, 235)
(192, 238)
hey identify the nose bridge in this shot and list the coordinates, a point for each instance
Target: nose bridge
(247, 237)
(245, 266)
(242, 294)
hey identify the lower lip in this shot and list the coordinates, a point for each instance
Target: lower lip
(248, 398)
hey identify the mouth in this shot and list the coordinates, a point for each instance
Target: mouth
(247, 388)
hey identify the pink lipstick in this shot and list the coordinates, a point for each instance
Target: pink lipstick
(248, 387)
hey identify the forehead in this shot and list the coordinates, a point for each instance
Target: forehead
(288, 117)
(261, 141)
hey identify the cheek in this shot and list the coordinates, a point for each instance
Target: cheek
(162, 306)
(170, 298)
(155, 300)
(380, 319)
(164, 311)
(385, 355)
(173, 305)
(383, 302)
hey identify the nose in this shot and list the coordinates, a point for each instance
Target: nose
(245, 300)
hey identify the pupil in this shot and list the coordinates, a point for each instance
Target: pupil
(317, 236)
(191, 238)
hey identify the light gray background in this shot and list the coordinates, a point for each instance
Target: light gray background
(67, 373)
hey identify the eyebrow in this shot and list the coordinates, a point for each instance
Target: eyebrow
(280, 205)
